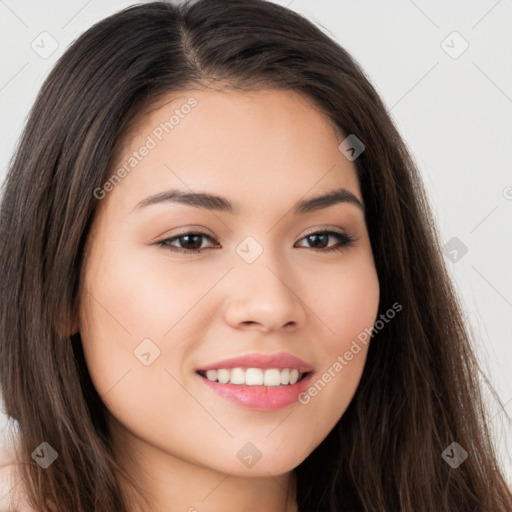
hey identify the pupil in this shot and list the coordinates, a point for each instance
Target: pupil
(316, 237)
(194, 245)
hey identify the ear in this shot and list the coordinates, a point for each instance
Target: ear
(73, 321)
(74, 327)
(67, 327)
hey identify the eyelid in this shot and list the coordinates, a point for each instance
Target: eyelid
(323, 229)
(345, 240)
(188, 230)
(195, 228)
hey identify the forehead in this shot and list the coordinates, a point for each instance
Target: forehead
(249, 144)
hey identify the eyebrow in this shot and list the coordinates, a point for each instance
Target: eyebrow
(221, 204)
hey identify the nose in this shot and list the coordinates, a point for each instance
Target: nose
(262, 296)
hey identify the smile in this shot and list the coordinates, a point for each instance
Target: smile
(254, 376)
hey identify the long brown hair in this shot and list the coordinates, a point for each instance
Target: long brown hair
(420, 388)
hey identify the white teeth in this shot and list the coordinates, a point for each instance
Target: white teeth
(255, 376)
(211, 374)
(223, 376)
(237, 376)
(272, 377)
(294, 376)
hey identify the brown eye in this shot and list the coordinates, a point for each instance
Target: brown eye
(319, 241)
(189, 242)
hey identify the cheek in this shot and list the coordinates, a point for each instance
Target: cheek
(139, 296)
(347, 302)
(133, 306)
(349, 310)
(124, 317)
(117, 315)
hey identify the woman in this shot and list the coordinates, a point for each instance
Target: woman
(221, 284)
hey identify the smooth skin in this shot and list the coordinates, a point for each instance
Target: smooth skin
(263, 151)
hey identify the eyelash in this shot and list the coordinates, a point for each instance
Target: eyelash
(346, 241)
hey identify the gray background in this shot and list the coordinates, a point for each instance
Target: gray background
(453, 108)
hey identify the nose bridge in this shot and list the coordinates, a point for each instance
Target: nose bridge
(264, 291)
(261, 263)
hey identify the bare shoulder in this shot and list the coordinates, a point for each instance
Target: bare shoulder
(12, 490)
(9, 483)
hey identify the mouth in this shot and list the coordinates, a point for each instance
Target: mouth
(253, 377)
(257, 389)
(264, 382)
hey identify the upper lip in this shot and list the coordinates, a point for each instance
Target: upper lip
(263, 361)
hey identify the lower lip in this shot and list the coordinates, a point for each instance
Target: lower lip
(262, 398)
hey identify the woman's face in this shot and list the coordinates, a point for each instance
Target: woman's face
(153, 316)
